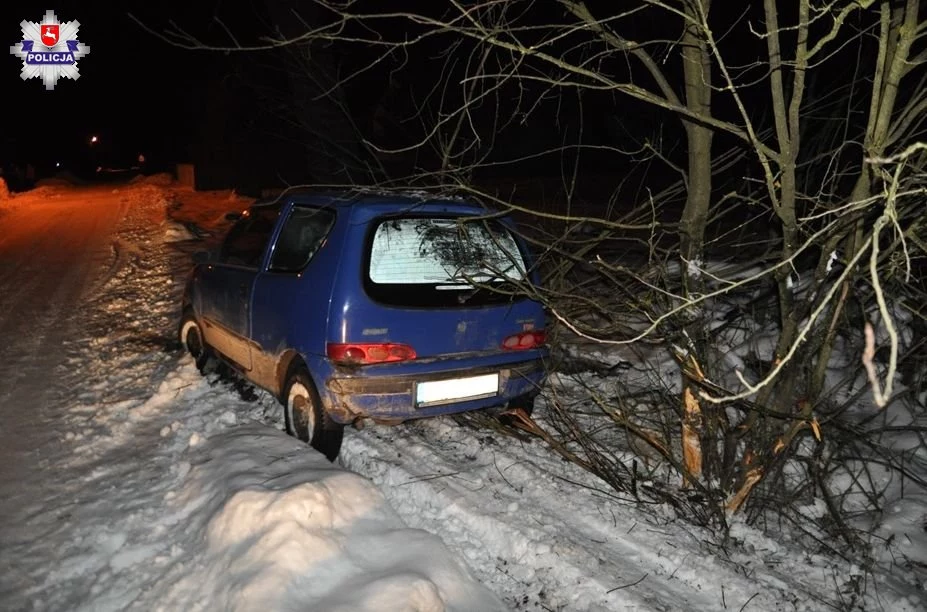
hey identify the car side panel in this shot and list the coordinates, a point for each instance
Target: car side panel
(224, 309)
(289, 312)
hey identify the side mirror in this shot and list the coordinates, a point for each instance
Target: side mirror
(201, 257)
(232, 216)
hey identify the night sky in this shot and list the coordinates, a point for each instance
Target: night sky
(242, 118)
(136, 93)
(139, 94)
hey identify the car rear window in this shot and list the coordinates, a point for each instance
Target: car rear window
(443, 261)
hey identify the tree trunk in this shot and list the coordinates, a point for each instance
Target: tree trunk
(698, 429)
(697, 69)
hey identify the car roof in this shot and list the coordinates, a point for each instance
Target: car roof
(368, 199)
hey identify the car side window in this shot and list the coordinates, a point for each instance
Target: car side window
(302, 235)
(248, 238)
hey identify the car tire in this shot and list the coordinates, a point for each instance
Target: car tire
(192, 340)
(306, 420)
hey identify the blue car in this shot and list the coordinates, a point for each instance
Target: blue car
(354, 306)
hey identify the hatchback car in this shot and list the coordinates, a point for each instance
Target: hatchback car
(353, 306)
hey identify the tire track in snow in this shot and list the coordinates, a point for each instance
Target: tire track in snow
(455, 484)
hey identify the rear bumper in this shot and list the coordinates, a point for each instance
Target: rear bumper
(393, 397)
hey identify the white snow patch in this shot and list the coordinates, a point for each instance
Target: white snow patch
(176, 232)
(284, 529)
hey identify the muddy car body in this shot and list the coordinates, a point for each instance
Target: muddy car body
(384, 307)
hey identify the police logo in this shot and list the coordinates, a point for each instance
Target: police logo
(50, 50)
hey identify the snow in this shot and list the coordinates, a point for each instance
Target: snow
(130, 481)
(176, 232)
(694, 268)
(284, 529)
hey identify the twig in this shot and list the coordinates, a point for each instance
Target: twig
(629, 585)
(743, 607)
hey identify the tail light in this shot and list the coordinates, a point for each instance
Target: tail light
(358, 354)
(525, 340)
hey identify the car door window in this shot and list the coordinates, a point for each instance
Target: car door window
(302, 235)
(246, 241)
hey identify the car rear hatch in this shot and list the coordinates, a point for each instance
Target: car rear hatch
(441, 287)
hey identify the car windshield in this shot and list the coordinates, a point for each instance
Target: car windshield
(412, 259)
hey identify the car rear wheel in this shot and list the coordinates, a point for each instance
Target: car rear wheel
(191, 337)
(305, 418)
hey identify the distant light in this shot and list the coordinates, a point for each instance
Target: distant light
(57, 164)
(93, 139)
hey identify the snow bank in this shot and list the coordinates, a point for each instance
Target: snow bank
(285, 529)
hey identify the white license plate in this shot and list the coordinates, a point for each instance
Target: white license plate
(456, 389)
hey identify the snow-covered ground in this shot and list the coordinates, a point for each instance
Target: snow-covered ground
(129, 481)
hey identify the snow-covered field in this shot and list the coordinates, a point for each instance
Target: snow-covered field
(129, 481)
